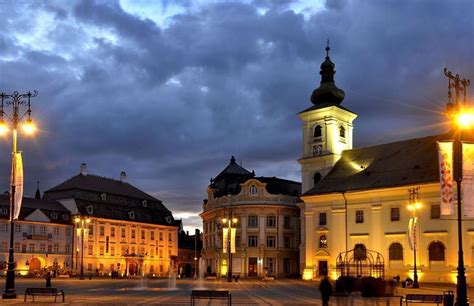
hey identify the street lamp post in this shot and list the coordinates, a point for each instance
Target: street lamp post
(414, 206)
(463, 120)
(229, 221)
(15, 100)
(82, 221)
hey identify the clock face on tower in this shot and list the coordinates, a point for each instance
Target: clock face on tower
(317, 150)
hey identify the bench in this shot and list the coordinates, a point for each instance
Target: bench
(211, 295)
(44, 292)
(422, 298)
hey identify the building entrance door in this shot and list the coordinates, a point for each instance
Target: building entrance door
(35, 265)
(252, 267)
(323, 268)
(132, 269)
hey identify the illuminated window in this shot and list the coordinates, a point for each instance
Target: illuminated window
(143, 234)
(318, 132)
(101, 250)
(103, 197)
(133, 234)
(395, 251)
(359, 216)
(90, 249)
(123, 232)
(322, 219)
(395, 214)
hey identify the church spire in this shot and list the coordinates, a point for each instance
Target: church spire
(38, 193)
(327, 92)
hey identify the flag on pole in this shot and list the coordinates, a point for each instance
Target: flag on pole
(232, 239)
(445, 153)
(412, 233)
(17, 181)
(225, 239)
(468, 179)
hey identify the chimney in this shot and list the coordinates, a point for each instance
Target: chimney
(197, 232)
(187, 233)
(123, 177)
(84, 169)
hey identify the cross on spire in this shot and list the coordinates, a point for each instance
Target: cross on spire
(327, 48)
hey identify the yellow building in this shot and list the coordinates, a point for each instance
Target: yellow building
(361, 197)
(125, 230)
(264, 212)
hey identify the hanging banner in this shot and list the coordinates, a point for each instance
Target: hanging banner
(225, 239)
(468, 179)
(412, 233)
(232, 239)
(445, 153)
(17, 181)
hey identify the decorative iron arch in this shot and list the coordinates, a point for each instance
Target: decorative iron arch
(360, 262)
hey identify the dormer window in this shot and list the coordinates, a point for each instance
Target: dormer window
(4, 211)
(54, 215)
(103, 196)
(253, 190)
(168, 219)
(342, 132)
(131, 214)
(144, 203)
(90, 209)
(318, 132)
(65, 217)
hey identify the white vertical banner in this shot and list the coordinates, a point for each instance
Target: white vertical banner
(410, 233)
(445, 154)
(17, 181)
(225, 239)
(468, 179)
(79, 240)
(232, 239)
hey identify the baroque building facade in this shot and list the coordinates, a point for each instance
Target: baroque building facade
(360, 197)
(266, 219)
(128, 231)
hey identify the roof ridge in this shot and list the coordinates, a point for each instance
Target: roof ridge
(393, 142)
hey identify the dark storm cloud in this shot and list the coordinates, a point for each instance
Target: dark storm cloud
(170, 104)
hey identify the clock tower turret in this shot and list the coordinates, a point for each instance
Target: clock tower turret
(327, 128)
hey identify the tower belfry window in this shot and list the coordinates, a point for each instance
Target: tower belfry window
(342, 132)
(318, 133)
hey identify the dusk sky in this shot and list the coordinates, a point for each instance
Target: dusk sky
(168, 90)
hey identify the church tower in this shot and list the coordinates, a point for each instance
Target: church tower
(327, 128)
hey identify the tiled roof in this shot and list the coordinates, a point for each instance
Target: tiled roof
(408, 162)
(101, 184)
(29, 205)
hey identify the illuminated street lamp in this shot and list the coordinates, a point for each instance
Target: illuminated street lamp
(414, 206)
(15, 100)
(81, 221)
(463, 119)
(229, 222)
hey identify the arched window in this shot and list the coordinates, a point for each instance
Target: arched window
(316, 178)
(323, 242)
(395, 251)
(436, 251)
(318, 131)
(253, 190)
(342, 132)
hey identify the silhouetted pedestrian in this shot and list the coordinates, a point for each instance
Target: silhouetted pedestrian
(48, 280)
(325, 288)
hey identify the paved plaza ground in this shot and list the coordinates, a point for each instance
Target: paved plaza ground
(156, 292)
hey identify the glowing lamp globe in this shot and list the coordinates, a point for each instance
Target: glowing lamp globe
(29, 127)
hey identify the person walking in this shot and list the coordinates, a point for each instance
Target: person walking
(325, 288)
(48, 280)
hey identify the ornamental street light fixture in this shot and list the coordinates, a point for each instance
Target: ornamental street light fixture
(229, 222)
(414, 206)
(463, 119)
(15, 100)
(81, 222)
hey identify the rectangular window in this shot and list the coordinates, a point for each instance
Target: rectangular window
(56, 248)
(152, 235)
(271, 221)
(287, 222)
(23, 248)
(133, 234)
(112, 232)
(253, 241)
(43, 230)
(90, 249)
(123, 232)
(124, 250)
(43, 248)
(101, 231)
(4, 246)
(161, 253)
(271, 241)
(161, 236)
(68, 232)
(68, 248)
(395, 214)
(322, 219)
(287, 242)
(435, 211)
(170, 237)
(359, 216)
(237, 241)
(271, 265)
(89, 267)
(101, 267)
(50, 248)
(101, 250)
(252, 221)
(91, 230)
(31, 229)
(143, 234)
(17, 247)
(17, 228)
(112, 251)
(5, 227)
(56, 231)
